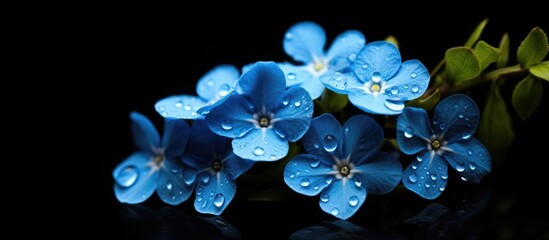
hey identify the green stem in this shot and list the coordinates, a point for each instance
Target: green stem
(437, 68)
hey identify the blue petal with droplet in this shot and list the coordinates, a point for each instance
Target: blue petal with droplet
(307, 174)
(361, 136)
(234, 166)
(304, 41)
(379, 172)
(292, 113)
(342, 198)
(411, 80)
(172, 187)
(145, 135)
(427, 177)
(324, 137)
(232, 118)
(263, 84)
(217, 82)
(314, 87)
(174, 139)
(375, 104)
(199, 156)
(214, 196)
(346, 46)
(456, 116)
(260, 144)
(295, 75)
(135, 180)
(469, 158)
(180, 106)
(378, 57)
(413, 130)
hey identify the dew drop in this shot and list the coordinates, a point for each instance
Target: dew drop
(353, 201)
(219, 199)
(164, 114)
(199, 191)
(289, 36)
(334, 211)
(466, 136)
(444, 177)
(330, 143)
(376, 77)
(305, 182)
(210, 83)
(441, 189)
(199, 198)
(442, 125)
(292, 175)
(394, 90)
(273, 157)
(280, 133)
(178, 104)
(419, 156)
(291, 76)
(315, 162)
(358, 181)
(286, 100)
(127, 176)
(169, 186)
(297, 103)
(187, 108)
(414, 75)
(460, 167)
(339, 81)
(409, 132)
(464, 179)
(328, 180)
(415, 88)
(224, 90)
(205, 178)
(414, 166)
(316, 144)
(461, 115)
(412, 178)
(325, 197)
(433, 176)
(427, 185)
(470, 152)
(227, 124)
(365, 66)
(473, 166)
(395, 106)
(258, 151)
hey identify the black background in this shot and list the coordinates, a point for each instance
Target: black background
(133, 59)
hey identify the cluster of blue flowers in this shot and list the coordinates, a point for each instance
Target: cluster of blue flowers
(240, 118)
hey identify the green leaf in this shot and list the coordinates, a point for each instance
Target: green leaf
(486, 54)
(495, 130)
(505, 50)
(394, 143)
(461, 64)
(476, 34)
(533, 49)
(541, 70)
(392, 40)
(527, 96)
(426, 103)
(332, 102)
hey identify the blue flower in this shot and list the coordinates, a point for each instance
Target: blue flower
(213, 86)
(379, 82)
(342, 164)
(217, 168)
(304, 42)
(156, 165)
(262, 116)
(450, 142)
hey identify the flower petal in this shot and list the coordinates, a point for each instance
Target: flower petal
(295, 75)
(292, 114)
(232, 118)
(346, 45)
(214, 192)
(426, 177)
(377, 60)
(342, 198)
(180, 106)
(135, 180)
(308, 174)
(324, 137)
(260, 144)
(456, 117)
(375, 103)
(361, 136)
(175, 182)
(413, 130)
(380, 172)
(410, 82)
(176, 134)
(314, 87)
(263, 83)
(341, 83)
(470, 158)
(217, 82)
(305, 41)
(204, 145)
(145, 135)
(235, 166)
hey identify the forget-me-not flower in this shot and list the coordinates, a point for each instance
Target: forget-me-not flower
(156, 166)
(380, 83)
(343, 164)
(262, 115)
(304, 42)
(449, 142)
(217, 168)
(213, 86)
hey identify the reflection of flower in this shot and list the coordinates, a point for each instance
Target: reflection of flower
(262, 116)
(213, 86)
(380, 82)
(342, 164)
(156, 165)
(305, 42)
(449, 142)
(341, 229)
(217, 168)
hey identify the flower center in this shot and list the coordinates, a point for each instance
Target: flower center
(319, 66)
(158, 159)
(344, 171)
(264, 122)
(435, 144)
(375, 87)
(217, 166)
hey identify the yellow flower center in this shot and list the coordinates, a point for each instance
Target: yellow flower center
(319, 66)
(375, 88)
(216, 166)
(344, 170)
(264, 122)
(435, 144)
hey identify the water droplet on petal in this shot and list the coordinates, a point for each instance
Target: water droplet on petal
(315, 162)
(353, 201)
(316, 144)
(427, 185)
(258, 151)
(280, 133)
(199, 198)
(219, 199)
(127, 176)
(413, 178)
(330, 143)
(470, 152)
(178, 104)
(415, 88)
(334, 211)
(210, 83)
(466, 136)
(164, 114)
(358, 182)
(227, 124)
(461, 115)
(464, 179)
(187, 108)
(414, 166)
(441, 189)
(433, 176)
(364, 66)
(291, 76)
(460, 167)
(394, 90)
(414, 75)
(409, 132)
(289, 36)
(273, 157)
(444, 177)
(395, 106)
(199, 191)
(419, 156)
(338, 81)
(297, 103)
(442, 125)
(224, 90)
(324, 197)
(169, 186)
(305, 182)
(376, 77)
(286, 100)
(473, 166)
(292, 175)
